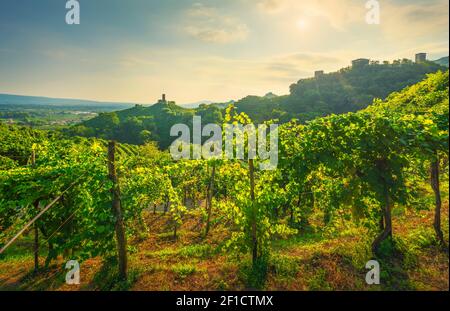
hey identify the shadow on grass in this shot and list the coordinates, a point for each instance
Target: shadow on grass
(107, 278)
(45, 279)
(254, 276)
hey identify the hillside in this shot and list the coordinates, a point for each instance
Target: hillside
(141, 124)
(430, 94)
(443, 61)
(316, 219)
(348, 90)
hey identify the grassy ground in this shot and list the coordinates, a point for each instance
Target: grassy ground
(309, 261)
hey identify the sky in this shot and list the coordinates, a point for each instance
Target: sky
(192, 50)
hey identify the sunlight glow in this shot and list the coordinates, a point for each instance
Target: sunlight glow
(302, 24)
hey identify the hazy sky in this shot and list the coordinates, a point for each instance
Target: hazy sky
(195, 50)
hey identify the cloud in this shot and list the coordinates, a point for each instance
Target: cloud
(271, 6)
(207, 24)
(200, 10)
(273, 72)
(415, 20)
(401, 21)
(292, 67)
(233, 33)
(338, 14)
(130, 62)
(434, 51)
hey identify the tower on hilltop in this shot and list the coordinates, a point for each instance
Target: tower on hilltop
(421, 57)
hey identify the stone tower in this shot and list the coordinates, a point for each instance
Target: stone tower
(318, 73)
(421, 57)
(360, 62)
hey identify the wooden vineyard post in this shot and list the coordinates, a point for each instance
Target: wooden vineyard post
(387, 215)
(117, 210)
(209, 199)
(252, 194)
(35, 226)
(438, 201)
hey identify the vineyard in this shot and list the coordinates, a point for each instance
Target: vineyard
(348, 188)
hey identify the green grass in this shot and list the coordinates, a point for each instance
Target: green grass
(22, 250)
(319, 281)
(183, 270)
(201, 251)
(298, 240)
(283, 266)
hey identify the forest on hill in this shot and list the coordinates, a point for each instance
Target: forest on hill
(140, 124)
(443, 61)
(348, 90)
(350, 187)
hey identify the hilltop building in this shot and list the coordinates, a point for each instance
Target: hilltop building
(270, 95)
(360, 62)
(318, 73)
(421, 57)
(163, 99)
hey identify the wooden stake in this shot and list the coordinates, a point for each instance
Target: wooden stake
(209, 199)
(435, 185)
(252, 195)
(35, 225)
(117, 210)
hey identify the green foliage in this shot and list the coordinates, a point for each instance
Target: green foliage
(252, 216)
(76, 170)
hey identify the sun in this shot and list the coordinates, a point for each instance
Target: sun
(302, 24)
